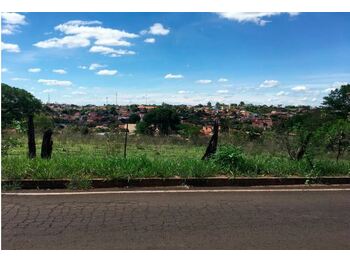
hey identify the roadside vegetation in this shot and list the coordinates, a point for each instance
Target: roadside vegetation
(310, 144)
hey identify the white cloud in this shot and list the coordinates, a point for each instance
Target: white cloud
(335, 85)
(82, 67)
(222, 80)
(19, 79)
(81, 33)
(282, 93)
(4, 70)
(299, 88)
(183, 92)
(269, 83)
(157, 29)
(11, 22)
(94, 66)
(338, 84)
(203, 81)
(222, 91)
(172, 76)
(150, 40)
(110, 51)
(258, 18)
(13, 48)
(59, 71)
(83, 23)
(68, 42)
(53, 82)
(328, 90)
(34, 70)
(48, 90)
(106, 72)
(314, 99)
(78, 92)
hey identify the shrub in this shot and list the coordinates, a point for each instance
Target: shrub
(232, 158)
(9, 143)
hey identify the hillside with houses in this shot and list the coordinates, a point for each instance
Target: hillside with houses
(111, 118)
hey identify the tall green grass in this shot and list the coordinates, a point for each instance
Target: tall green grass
(111, 167)
(85, 157)
(90, 166)
(234, 161)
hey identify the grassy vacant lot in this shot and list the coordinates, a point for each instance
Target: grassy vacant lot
(95, 156)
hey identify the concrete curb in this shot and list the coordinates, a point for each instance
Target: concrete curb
(194, 182)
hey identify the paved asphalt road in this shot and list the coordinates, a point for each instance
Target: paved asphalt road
(204, 220)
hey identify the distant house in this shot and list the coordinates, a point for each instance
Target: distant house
(93, 117)
(263, 123)
(131, 127)
(207, 130)
(146, 108)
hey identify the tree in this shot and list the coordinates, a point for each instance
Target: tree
(209, 105)
(143, 128)
(338, 101)
(297, 132)
(335, 136)
(225, 125)
(189, 130)
(165, 119)
(133, 108)
(134, 118)
(43, 122)
(16, 105)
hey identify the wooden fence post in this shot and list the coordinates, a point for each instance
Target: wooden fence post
(213, 143)
(126, 138)
(31, 137)
(46, 146)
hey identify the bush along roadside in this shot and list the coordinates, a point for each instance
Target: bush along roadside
(232, 160)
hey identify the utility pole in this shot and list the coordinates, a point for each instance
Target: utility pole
(48, 98)
(106, 101)
(116, 99)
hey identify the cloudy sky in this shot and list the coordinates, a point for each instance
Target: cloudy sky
(177, 58)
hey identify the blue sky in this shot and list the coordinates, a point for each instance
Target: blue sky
(177, 58)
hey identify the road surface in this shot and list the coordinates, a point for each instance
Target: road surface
(263, 219)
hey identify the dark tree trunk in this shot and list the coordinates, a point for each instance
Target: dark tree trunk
(302, 149)
(46, 146)
(339, 144)
(31, 137)
(213, 143)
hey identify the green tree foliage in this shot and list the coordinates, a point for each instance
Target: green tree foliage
(297, 132)
(189, 130)
(143, 128)
(338, 101)
(165, 119)
(335, 136)
(42, 122)
(16, 105)
(133, 108)
(134, 118)
(225, 124)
